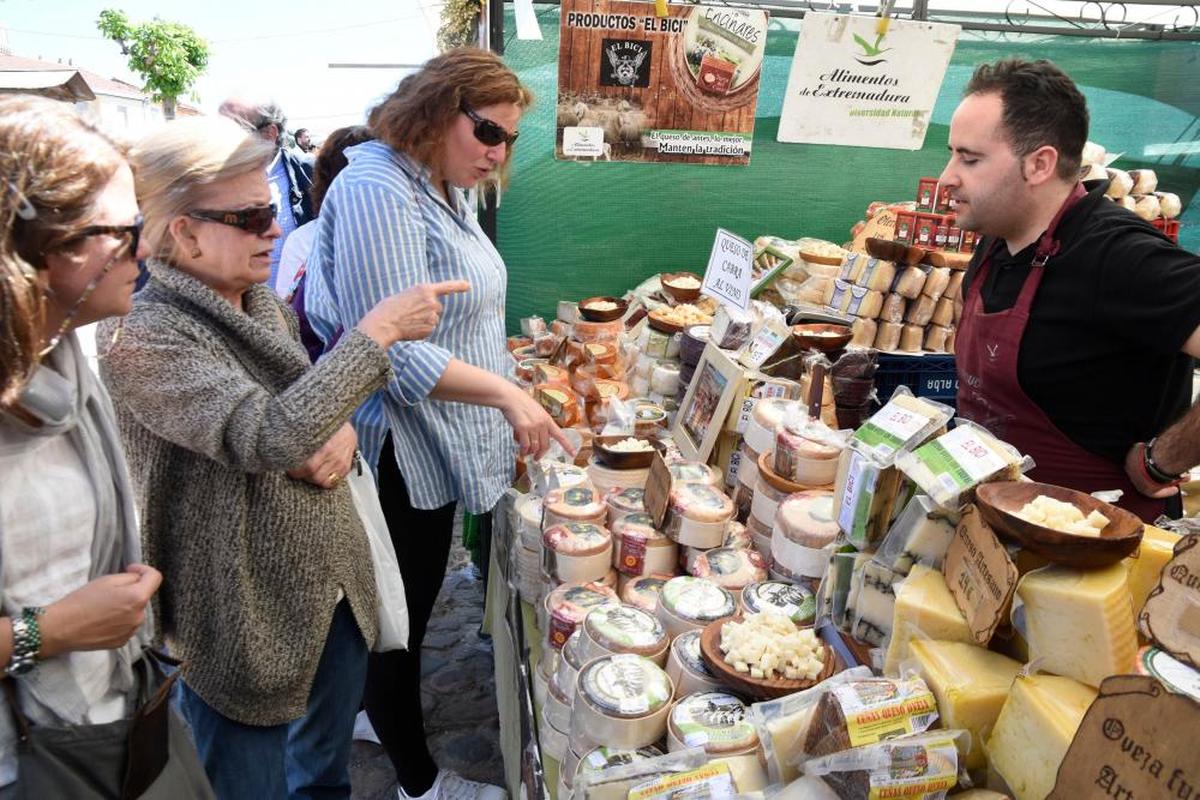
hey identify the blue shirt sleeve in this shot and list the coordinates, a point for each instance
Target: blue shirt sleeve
(379, 250)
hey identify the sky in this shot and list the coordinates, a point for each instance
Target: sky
(279, 51)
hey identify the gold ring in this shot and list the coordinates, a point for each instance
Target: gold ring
(334, 478)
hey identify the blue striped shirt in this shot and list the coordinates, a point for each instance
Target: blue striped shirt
(384, 227)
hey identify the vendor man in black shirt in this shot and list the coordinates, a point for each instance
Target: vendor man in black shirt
(1080, 321)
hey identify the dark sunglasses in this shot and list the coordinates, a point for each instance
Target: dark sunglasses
(134, 232)
(256, 220)
(489, 132)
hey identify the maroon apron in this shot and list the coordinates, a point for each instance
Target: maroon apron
(990, 394)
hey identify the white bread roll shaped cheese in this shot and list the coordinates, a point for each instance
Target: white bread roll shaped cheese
(893, 309)
(909, 283)
(1169, 204)
(954, 288)
(943, 312)
(936, 282)
(864, 331)
(888, 338)
(935, 338)
(920, 311)
(1146, 206)
(912, 338)
(1120, 183)
(1145, 181)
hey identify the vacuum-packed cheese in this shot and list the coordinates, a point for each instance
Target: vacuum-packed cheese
(920, 311)
(894, 309)
(1145, 181)
(624, 501)
(698, 514)
(912, 337)
(694, 472)
(936, 337)
(640, 549)
(804, 526)
(574, 504)
(1169, 204)
(643, 591)
(1120, 183)
(936, 282)
(1146, 206)
(909, 283)
(863, 332)
(925, 609)
(888, 338)
(943, 312)
(1146, 564)
(876, 275)
(715, 721)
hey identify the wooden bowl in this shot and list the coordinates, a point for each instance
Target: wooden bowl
(740, 682)
(818, 336)
(680, 295)
(617, 459)
(663, 325)
(998, 501)
(603, 316)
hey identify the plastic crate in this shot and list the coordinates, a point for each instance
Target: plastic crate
(932, 376)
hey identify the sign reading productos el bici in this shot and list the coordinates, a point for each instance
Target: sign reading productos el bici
(856, 83)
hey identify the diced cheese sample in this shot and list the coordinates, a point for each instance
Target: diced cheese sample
(924, 609)
(1145, 566)
(1079, 622)
(970, 684)
(1034, 730)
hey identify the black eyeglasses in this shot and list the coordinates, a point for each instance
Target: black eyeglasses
(134, 232)
(256, 220)
(489, 132)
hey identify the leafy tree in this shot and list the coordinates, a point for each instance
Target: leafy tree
(169, 56)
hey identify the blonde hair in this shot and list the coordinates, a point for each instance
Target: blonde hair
(415, 117)
(174, 167)
(53, 163)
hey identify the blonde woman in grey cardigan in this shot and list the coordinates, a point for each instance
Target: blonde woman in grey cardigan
(237, 447)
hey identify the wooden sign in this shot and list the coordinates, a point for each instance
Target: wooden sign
(658, 490)
(1171, 616)
(980, 575)
(880, 226)
(633, 86)
(1137, 740)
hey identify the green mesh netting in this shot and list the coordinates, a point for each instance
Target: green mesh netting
(568, 230)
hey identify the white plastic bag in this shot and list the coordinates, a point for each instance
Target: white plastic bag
(389, 586)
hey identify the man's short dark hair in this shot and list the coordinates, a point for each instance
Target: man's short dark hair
(1042, 106)
(300, 131)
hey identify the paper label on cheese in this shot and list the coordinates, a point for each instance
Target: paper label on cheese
(927, 768)
(889, 429)
(696, 598)
(626, 684)
(765, 344)
(712, 780)
(711, 717)
(1175, 675)
(794, 601)
(631, 558)
(746, 414)
(626, 626)
(724, 561)
(848, 266)
(859, 492)
(960, 458)
(884, 709)
(605, 757)
(687, 650)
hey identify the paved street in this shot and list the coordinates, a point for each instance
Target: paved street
(459, 692)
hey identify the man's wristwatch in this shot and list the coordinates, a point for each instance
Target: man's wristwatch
(1153, 469)
(26, 641)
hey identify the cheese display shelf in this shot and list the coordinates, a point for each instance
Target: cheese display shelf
(742, 491)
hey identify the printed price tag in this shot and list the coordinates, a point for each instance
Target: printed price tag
(980, 575)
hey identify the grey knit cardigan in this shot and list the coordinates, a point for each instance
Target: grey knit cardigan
(215, 404)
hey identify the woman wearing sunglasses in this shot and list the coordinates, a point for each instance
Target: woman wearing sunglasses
(443, 431)
(238, 446)
(75, 594)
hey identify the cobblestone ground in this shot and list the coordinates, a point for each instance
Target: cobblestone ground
(458, 690)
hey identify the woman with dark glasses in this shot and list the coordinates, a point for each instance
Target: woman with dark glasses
(75, 616)
(443, 431)
(238, 446)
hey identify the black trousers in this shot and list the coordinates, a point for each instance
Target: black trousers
(393, 693)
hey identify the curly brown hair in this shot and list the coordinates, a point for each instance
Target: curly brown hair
(332, 159)
(414, 118)
(53, 163)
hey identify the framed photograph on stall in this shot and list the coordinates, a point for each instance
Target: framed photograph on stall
(701, 415)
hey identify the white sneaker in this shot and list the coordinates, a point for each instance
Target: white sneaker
(452, 786)
(363, 731)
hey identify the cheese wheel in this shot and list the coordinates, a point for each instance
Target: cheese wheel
(694, 472)
(649, 419)
(943, 312)
(864, 302)
(1145, 181)
(804, 526)
(665, 379)
(950, 342)
(691, 603)
(559, 402)
(528, 510)
(577, 551)
(553, 741)
(567, 605)
(737, 536)
(920, 311)
(795, 602)
(623, 700)
(1120, 183)
(729, 567)
(570, 661)
(715, 721)
(889, 336)
(526, 367)
(639, 549)
(935, 338)
(588, 332)
(698, 514)
(760, 534)
(1169, 204)
(863, 331)
(893, 309)
(574, 504)
(747, 475)
(804, 460)
(768, 414)
(615, 629)
(911, 338)
(643, 591)
(594, 761)
(686, 666)
(624, 501)
(909, 283)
